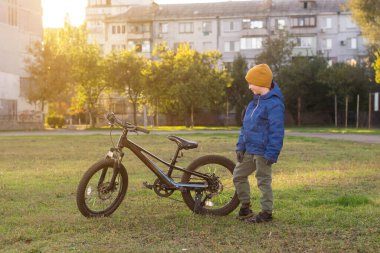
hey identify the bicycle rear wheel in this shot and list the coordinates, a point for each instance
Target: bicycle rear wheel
(95, 195)
(221, 201)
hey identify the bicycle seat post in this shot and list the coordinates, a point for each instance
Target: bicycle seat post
(174, 161)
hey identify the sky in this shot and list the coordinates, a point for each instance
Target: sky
(54, 11)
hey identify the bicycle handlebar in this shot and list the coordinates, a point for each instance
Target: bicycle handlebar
(113, 120)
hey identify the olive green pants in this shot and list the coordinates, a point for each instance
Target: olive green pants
(250, 164)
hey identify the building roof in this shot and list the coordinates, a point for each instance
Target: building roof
(226, 9)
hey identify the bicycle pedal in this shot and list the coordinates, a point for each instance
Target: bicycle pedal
(147, 185)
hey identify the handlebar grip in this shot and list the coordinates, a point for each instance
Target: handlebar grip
(140, 129)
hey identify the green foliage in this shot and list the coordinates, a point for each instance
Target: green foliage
(367, 15)
(238, 93)
(300, 79)
(128, 72)
(376, 66)
(47, 67)
(343, 79)
(89, 77)
(277, 52)
(55, 121)
(185, 80)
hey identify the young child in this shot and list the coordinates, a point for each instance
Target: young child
(260, 142)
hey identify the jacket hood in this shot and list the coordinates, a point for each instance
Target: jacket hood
(275, 91)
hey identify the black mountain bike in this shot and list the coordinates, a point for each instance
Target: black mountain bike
(206, 184)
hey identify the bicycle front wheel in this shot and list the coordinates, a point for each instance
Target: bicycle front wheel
(96, 195)
(220, 201)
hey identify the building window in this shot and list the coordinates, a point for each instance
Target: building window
(133, 28)
(304, 42)
(139, 46)
(231, 46)
(305, 21)
(178, 44)
(117, 29)
(26, 85)
(230, 26)
(353, 43)
(327, 44)
(351, 61)
(139, 28)
(252, 24)
(186, 27)
(8, 109)
(164, 27)
(145, 46)
(12, 13)
(251, 43)
(146, 27)
(206, 28)
(327, 23)
(280, 24)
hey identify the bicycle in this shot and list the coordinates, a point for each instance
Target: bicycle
(206, 184)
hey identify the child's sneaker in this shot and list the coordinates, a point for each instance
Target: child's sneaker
(245, 213)
(261, 217)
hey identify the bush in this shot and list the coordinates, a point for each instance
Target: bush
(56, 121)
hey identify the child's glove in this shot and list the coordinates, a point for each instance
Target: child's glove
(239, 156)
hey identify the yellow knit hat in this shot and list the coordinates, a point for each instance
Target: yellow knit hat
(260, 75)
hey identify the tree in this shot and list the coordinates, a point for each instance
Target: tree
(346, 81)
(89, 76)
(160, 79)
(277, 52)
(238, 93)
(367, 15)
(190, 80)
(128, 73)
(301, 86)
(47, 67)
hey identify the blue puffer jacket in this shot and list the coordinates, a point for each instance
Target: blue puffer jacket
(262, 132)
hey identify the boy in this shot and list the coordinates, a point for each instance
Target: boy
(260, 142)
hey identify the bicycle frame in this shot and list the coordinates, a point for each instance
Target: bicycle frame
(124, 142)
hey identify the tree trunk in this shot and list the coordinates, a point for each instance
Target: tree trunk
(369, 109)
(346, 120)
(299, 111)
(227, 113)
(145, 117)
(43, 112)
(357, 111)
(134, 113)
(156, 114)
(336, 110)
(192, 117)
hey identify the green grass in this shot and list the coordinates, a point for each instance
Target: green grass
(327, 199)
(372, 131)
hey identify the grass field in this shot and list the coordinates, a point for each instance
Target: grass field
(327, 199)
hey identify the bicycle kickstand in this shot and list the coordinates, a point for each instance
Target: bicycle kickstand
(198, 202)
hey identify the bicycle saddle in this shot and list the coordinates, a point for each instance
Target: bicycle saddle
(182, 143)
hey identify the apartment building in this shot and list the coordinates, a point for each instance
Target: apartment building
(20, 25)
(317, 26)
(98, 11)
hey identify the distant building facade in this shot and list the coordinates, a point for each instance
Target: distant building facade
(20, 26)
(317, 26)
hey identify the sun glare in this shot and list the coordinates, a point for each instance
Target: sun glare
(54, 12)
